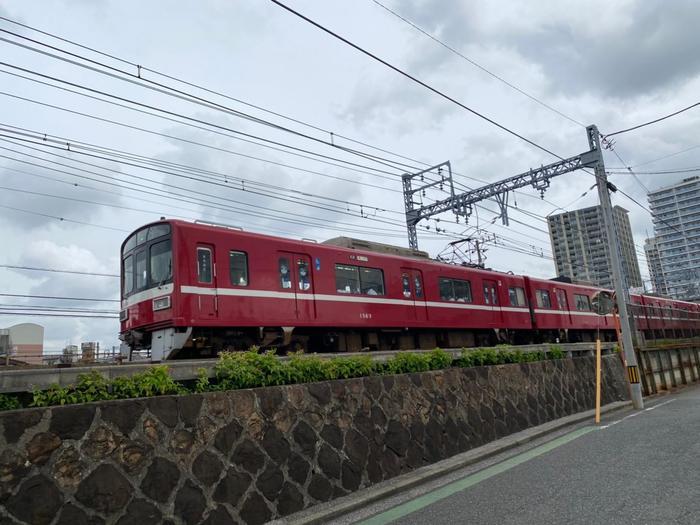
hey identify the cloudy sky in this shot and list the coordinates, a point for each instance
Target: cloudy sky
(618, 64)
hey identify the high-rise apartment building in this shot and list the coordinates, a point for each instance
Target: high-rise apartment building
(582, 251)
(676, 215)
(658, 282)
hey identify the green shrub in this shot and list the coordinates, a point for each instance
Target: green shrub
(407, 363)
(250, 369)
(155, 381)
(202, 384)
(9, 402)
(439, 359)
(308, 368)
(556, 352)
(348, 367)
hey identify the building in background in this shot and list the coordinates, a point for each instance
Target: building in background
(651, 251)
(22, 343)
(582, 251)
(676, 216)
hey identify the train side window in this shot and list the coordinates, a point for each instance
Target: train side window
(303, 273)
(456, 290)
(141, 270)
(128, 284)
(583, 303)
(543, 299)
(516, 296)
(347, 278)
(204, 273)
(285, 276)
(238, 268)
(371, 281)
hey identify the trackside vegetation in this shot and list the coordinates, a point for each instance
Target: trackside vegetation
(251, 369)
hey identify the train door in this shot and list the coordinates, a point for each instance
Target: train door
(207, 300)
(491, 300)
(412, 287)
(296, 276)
(563, 305)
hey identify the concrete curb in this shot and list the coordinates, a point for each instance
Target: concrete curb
(325, 512)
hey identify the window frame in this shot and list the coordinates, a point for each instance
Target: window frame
(281, 277)
(453, 297)
(211, 265)
(131, 283)
(540, 295)
(151, 282)
(245, 268)
(144, 286)
(577, 300)
(358, 279)
(515, 290)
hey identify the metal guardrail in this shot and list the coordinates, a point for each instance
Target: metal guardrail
(668, 366)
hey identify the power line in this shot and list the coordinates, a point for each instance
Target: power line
(63, 219)
(136, 79)
(476, 64)
(59, 298)
(649, 122)
(412, 78)
(44, 314)
(77, 272)
(239, 138)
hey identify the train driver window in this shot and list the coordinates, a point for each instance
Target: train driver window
(204, 273)
(304, 278)
(516, 296)
(543, 299)
(406, 285)
(285, 277)
(238, 268)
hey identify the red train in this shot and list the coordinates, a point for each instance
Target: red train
(192, 289)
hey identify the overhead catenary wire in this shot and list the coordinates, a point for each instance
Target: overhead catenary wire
(478, 65)
(650, 122)
(533, 214)
(55, 270)
(59, 298)
(413, 78)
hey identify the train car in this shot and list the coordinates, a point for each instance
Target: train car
(192, 289)
(564, 312)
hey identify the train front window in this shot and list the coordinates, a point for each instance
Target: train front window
(141, 270)
(147, 259)
(128, 275)
(161, 262)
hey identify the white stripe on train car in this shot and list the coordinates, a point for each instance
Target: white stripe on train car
(269, 294)
(146, 295)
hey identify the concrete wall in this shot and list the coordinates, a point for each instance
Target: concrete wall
(252, 455)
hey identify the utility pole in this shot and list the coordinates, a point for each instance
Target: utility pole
(618, 275)
(538, 178)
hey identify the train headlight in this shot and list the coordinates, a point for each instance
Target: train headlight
(162, 303)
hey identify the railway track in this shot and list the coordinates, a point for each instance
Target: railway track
(15, 380)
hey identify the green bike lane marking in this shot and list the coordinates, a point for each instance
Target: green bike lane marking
(451, 488)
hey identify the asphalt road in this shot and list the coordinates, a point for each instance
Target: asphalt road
(637, 467)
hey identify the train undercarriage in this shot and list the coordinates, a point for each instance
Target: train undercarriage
(200, 342)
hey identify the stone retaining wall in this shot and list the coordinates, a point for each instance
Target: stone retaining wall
(252, 455)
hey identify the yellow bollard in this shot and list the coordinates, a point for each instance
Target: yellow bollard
(597, 382)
